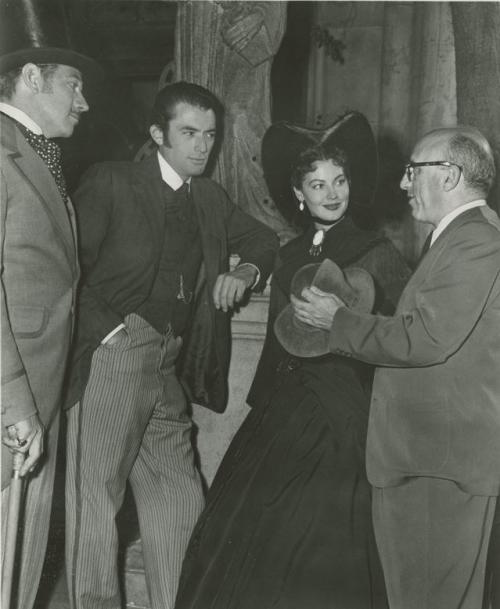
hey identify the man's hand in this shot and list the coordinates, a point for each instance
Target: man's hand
(230, 287)
(118, 337)
(319, 307)
(25, 437)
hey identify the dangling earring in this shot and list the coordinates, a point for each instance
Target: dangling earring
(300, 198)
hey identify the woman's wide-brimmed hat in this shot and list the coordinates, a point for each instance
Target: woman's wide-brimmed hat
(283, 142)
(36, 31)
(354, 286)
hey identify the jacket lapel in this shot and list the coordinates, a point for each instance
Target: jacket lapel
(435, 251)
(210, 231)
(28, 164)
(147, 186)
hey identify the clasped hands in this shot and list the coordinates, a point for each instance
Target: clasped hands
(317, 308)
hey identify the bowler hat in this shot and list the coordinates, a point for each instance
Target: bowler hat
(354, 286)
(284, 141)
(36, 31)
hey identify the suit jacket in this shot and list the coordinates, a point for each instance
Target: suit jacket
(39, 273)
(120, 211)
(435, 407)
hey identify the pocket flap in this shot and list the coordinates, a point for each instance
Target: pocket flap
(28, 321)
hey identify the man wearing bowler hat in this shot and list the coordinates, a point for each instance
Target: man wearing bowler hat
(40, 98)
(433, 450)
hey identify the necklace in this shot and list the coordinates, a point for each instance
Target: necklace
(328, 223)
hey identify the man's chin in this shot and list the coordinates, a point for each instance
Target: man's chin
(66, 131)
(197, 170)
(70, 125)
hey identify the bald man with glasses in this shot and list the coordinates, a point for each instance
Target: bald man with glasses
(433, 447)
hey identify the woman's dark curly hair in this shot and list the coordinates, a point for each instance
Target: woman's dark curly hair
(304, 163)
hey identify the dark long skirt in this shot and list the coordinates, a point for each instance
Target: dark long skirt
(288, 517)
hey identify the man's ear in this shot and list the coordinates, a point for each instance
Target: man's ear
(32, 78)
(156, 135)
(453, 175)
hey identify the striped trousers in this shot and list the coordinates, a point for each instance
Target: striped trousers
(34, 522)
(131, 424)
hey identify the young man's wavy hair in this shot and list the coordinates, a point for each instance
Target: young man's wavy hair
(183, 92)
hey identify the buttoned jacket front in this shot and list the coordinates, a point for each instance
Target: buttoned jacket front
(435, 408)
(39, 273)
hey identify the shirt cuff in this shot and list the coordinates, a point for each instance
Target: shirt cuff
(257, 279)
(112, 333)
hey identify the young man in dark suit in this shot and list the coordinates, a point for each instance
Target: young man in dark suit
(155, 240)
(40, 98)
(433, 450)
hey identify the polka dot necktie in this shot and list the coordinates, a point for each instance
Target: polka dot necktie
(50, 153)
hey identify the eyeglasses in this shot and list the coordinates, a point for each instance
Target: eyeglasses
(411, 165)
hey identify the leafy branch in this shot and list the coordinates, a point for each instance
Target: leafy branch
(333, 47)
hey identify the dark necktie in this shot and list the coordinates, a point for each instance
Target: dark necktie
(182, 193)
(426, 247)
(50, 153)
(177, 201)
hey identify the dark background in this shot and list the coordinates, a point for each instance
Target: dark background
(134, 41)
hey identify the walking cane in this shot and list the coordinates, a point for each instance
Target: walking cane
(16, 486)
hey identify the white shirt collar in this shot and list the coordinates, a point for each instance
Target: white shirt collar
(452, 215)
(20, 117)
(169, 175)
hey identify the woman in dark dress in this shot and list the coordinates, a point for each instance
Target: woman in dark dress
(288, 518)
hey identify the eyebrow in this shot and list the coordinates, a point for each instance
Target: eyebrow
(340, 175)
(76, 75)
(188, 127)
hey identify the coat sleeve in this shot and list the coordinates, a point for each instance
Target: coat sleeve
(253, 241)
(18, 402)
(94, 208)
(272, 352)
(445, 307)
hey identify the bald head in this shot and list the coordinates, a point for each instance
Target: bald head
(449, 168)
(468, 148)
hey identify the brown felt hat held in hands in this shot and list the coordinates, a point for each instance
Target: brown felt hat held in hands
(354, 286)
